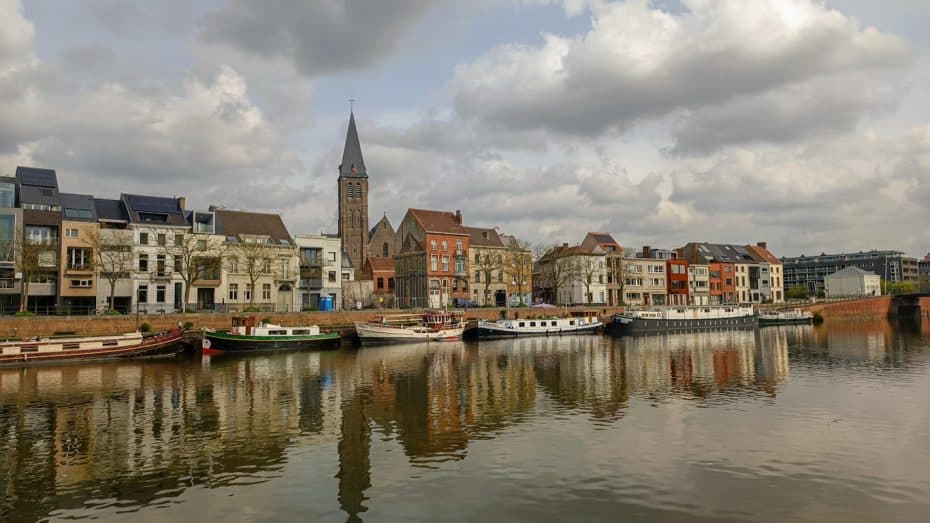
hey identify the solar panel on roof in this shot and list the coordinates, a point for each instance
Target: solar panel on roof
(45, 178)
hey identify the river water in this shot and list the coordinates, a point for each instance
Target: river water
(794, 423)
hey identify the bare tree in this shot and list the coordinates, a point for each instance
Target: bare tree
(486, 265)
(254, 260)
(195, 257)
(586, 270)
(559, 267)
(113, 255)
(33, 258)
(519, 264)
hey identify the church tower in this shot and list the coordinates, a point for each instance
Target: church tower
(353, 199)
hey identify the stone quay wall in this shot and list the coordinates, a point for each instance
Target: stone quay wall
(15, 327)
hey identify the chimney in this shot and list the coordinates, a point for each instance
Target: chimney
(647, 251)
(486, 235)
(212, 207)
(565, 244)
(181, 202)
(458, 216)
(764, 245)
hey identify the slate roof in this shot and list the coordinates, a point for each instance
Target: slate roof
(481, 237)
(137, 206)
(437, 221)
(561, 251)
(37, 177)
(851, 271)
(352, 154)
(716, 252)
(236, 223)
(78, 208)
(110, 210)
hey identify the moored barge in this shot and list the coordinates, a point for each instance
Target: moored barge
(247, 335)
(682, 318)
(407, 328)
(579, 324)
(90, 348)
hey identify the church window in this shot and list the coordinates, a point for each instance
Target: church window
(384, 250)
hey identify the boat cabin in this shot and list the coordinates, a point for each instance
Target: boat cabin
(249, 326)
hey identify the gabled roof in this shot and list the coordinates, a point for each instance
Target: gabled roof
(762, 254)
(851, 271)
(141, 208)
(481, 237)
(716, 252)
(383, 222)
(381, 264)
(78, 208)
(352, 163)
(411, 245)
(237, 223)
(110, 210)
(437, 221)
(604, 239)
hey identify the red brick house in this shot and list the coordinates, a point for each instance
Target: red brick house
(431, 260)
(676, 278)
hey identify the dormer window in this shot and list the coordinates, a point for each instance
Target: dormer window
(152, 217)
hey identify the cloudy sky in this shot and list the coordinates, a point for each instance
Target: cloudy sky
(804, 123)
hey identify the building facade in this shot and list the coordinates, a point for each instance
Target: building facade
(613, 253)
(852, 282)
(810, 271)
(320, 263)
(573, 275)
(645, 282)
(699, 284)
(78, 276)
(488, 266)
(677, 282)
(431, 264)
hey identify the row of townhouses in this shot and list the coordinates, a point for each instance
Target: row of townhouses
(600, 271)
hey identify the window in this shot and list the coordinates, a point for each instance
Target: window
(143, 238)
(381, 283)
(160, 261)
(234, 265)
(332, 276)
(71, 233)
(432, 245)
(79, 258)
(177, 264)
(477, 276)
(247, 295)
(346, 276)
(233, 292)
(434, 262)
(445, 264)
(85, 284)
(162, 239)
(384, 250)
(458, 247)
(266, 292)
(445, 245)
(41, 235)
(142, 295)
(143, 263)
(7, 195)
(153, 217)
(500, 276)
(178, 240)
(266, 265)
(332, 256)
(477, 258)
(434, 284)
(160, 294)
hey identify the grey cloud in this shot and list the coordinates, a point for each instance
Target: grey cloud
(319, 36)
(637, 63)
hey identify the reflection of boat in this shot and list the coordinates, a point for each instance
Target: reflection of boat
(785, 317)
(399, 328)
(54, 350)
(247, 336)
(538, 326)
(682, 318)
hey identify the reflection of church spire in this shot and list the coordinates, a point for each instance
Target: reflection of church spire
(354, 460)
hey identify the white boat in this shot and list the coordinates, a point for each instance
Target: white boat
(539, 326)
(682, 318)
(405, 328)
(785, 317)
(54, 350)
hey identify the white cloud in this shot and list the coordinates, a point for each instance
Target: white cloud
(640, 62)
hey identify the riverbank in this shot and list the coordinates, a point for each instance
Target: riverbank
(18, 327)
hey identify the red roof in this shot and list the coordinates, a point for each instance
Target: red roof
(763, 254)
(381, 264)
(438, 221)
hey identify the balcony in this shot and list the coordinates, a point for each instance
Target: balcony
(461, 267)
(79, 269)
(161, 275)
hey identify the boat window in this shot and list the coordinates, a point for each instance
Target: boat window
(302, 331)
(523, 324)
(110, 343)
(28, 349)
(553, 324)
(572, 322)
(532, 324)
(69, 346)
(277, 332)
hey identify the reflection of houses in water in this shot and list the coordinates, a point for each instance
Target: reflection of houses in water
(871, 341)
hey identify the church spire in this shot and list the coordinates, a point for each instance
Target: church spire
(352, 163)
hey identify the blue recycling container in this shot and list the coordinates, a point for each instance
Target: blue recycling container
(326, 303)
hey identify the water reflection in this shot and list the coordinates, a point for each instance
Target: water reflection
(96, 440)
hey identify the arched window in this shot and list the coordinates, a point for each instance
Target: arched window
(384, 250)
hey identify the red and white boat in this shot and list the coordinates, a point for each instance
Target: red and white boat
(407, 328)
(66, 349)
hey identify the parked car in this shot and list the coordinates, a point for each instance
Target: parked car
(464, 303)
